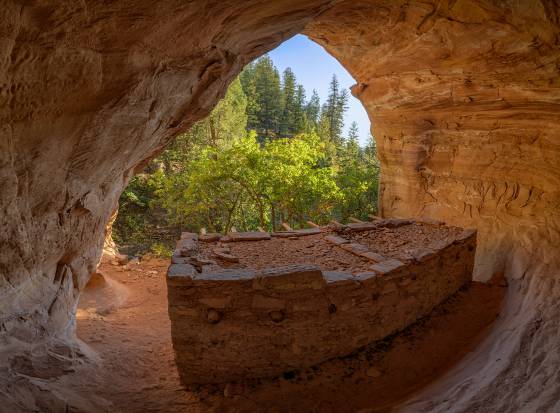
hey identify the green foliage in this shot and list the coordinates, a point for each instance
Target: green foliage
(263, 156)
(248, 185)
(161, 250)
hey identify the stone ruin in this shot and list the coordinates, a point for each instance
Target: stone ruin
(258, 304)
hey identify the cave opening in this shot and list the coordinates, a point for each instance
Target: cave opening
(287, 145)
(124, 307)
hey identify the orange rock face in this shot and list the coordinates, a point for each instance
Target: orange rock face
(463, 95)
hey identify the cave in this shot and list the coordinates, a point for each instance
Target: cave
(464, 98)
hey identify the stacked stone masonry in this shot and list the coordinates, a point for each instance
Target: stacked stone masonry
(238, 323)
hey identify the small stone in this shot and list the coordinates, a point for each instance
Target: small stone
(277, 316)
(189, 235)
(213, 316)
(121, 259)
(226, 257)
(197, 261)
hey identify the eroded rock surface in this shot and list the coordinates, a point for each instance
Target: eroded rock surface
(464, 99)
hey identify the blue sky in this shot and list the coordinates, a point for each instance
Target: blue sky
(313, 68)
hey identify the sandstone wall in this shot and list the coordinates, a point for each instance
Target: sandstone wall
(234, 324)
(88, 93)
(464, 101)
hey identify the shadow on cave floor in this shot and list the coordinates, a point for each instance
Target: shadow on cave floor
(138, 372)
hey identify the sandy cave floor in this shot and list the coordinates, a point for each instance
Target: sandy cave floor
(125, 321)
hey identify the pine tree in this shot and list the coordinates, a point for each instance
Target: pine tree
(333, 112)
(353, 133)
(287, 126)
(268, 98)
(337, 120)
(247, 78)
(300, 117)
(313, 109)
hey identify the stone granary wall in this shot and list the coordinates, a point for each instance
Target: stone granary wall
(237, 323)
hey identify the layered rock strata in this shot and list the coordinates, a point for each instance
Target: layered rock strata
(238, 323)
(464, 99)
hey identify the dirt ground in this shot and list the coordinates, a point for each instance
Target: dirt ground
(125, 322)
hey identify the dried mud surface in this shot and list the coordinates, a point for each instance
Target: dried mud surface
(313, 249)
(137, 371)
(394, 242)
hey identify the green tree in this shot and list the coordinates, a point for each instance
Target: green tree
(313, 109)
(301, 124)
(332, 113)
(353, 133)
(247, 78)
(357, 178)
(234, 169)
(268, 98)
(287, 125)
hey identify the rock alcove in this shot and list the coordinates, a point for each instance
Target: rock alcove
(465, 101)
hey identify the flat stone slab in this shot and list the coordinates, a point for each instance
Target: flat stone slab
(396, 222)
(366, 276)
(176, 258)
(226, 257)
(372, 256)
(387, 266)
(181, 270)
(227, 274)
(200, 261)
(363, 226)
(297, 233)
(336, 240)
(249, 236)
(296, 276)
(423, 254)
(186, 246)
(337, 276)
(307, 231)
(189, 235)
(355, 248)
(283, 234)
(212, 237)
